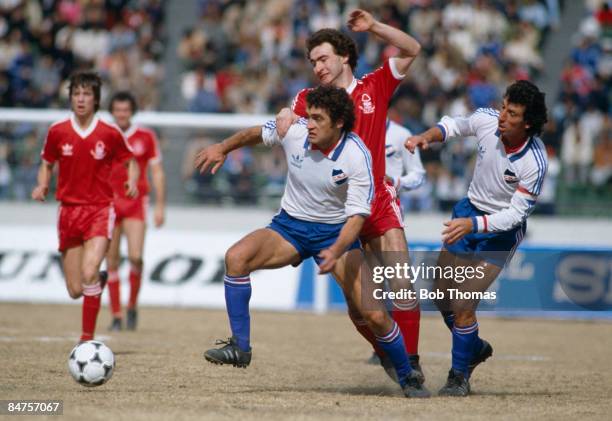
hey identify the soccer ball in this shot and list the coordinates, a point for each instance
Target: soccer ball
(91, 363)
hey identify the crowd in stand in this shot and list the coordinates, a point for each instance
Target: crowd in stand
(249, 57)
(43, 41)
(472, 49)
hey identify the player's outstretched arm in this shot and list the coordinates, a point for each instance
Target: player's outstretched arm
(362, 21)
(212, 157)
(43, 179)
(348, 235)
(158, 177)
(424, 139)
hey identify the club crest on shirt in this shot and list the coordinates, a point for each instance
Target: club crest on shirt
(138, 147)
(366, 104)
(339, 177)
(67, 149)
(510, 177)
(296, 160)
(99, 151)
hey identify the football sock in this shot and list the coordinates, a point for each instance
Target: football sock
(114, 285)
(393, 345)
(237, 296)
(409, 322)
(91, 307)
(465, 341)
(135, 277)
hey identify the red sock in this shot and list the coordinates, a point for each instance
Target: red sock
(409, 322)
(91, 307)
(114, 285)
(362, 327)
(135, 277)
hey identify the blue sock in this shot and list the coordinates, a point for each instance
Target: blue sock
(449, 319)
(465, 340)
(237, 296)
(393, 345)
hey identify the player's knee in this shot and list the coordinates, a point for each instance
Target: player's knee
(112, 262)
(136, 263)
(236, 261)
(90, 274)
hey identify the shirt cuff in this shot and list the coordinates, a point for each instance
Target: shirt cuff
(393, 66)
(480, 224)
(443, 130)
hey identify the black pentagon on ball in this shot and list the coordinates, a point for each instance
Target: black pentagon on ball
(96, 358)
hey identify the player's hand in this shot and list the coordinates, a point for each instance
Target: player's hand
(210, 157)
(131, 188)
(40, 193)
(159, 216)
(284, 119)
(456, 229)
(414, 142)
(328, 261)
(360, 21)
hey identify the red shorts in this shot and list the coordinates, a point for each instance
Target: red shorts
(78, 223)
(126, 208)
(386, 214)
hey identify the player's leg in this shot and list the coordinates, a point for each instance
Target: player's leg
(389, 249)
(468, 349)
(134, 230)
(94, 251)
(348, 273)
(71, 265)
(261, 249)
(113, 259)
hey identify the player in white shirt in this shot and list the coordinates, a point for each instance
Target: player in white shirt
(489, 224)
(403, 169)
(327, 198)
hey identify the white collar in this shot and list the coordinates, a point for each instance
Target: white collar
(130, 131)
(89, 130)
(352, 86)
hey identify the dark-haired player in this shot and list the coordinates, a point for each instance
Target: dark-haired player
(85, 148)
(488, 225)
(131, 211)
(327, 198)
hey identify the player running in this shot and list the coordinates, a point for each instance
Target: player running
(131, 212)
(488, 225)
(327, 198)
(85, 148)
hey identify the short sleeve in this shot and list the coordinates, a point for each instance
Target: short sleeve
(50, 151)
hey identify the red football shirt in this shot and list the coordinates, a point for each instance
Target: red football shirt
(85, 158)
(370, 95)
(146, 149)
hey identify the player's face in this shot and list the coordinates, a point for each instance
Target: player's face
(83, 101)
(511, 124)
(321, 131)
(326, 64)
(122, 113)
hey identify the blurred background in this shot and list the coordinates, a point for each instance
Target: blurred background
(232, 56)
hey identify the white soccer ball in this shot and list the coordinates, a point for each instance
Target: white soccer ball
(91, 363)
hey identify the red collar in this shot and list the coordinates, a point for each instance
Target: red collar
(510, 150)
(328, 150)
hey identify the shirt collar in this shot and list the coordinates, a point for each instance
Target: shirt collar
(83, 133)
(334, 152)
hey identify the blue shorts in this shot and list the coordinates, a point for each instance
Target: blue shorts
(308, 238)
(494, 247)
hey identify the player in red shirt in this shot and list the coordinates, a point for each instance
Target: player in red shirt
(334, 56)
(131, 211)
(84, 148)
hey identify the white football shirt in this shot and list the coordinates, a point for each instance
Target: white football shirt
(324, 188)
(405, 168)
(505, 184)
